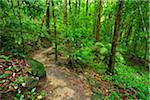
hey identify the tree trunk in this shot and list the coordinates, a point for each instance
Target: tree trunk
(79, 6)
(115, 38)
(70, 6)
(94, 19)
(87, 15)
(53, 13)
(135, 44)
(76, 7)
(48, 16)
(65, 12)
(87, 1)
(99, 20)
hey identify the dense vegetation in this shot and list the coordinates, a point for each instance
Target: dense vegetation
(108, 36)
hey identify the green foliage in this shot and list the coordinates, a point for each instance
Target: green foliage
(102, 52)
(4, 57)
(37, 68)
(119, 58)
(114, 96)
(129, 77)
(96, 96)
(19, 80)
(21, 25)
(30, 95)
(20, 33)
(4, 76)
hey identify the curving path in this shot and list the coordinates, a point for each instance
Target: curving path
(61, 83)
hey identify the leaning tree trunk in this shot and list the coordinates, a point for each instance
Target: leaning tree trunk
(115, 38)
(53, 13)
(99, 20)
(48, 16)
(65, 12)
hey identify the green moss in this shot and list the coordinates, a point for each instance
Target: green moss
(37, 68)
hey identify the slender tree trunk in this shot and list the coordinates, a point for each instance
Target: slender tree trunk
(115, 38)
(87, 14)
(65, 12)
(70, 6)
(87, 8)
(48, 16)
(135, 44)
(146, 48)
(76, 7)
(79, 6)
(99, 20)
(94, 20)
(53, 13)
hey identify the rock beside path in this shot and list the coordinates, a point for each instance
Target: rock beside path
(61, 83)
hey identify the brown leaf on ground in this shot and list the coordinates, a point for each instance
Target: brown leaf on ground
(8, 72)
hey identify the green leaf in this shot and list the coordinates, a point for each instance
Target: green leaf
(4, 57)
(4, 76)
(103, 50)
(33, 90)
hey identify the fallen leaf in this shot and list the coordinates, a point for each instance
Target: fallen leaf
(8, 72)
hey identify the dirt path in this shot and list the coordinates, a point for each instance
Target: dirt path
(61, 83)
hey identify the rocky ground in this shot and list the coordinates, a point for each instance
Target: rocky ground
(61, 83)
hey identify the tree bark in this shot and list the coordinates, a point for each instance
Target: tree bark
(76, 7)
(94, 19)
(65, 12)
(99, 20)
(87, 8)
(70, 6)
(79, 6)
(53, 13)
(111, 64)
(48, 16)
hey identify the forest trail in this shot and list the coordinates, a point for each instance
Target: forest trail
(61, 83)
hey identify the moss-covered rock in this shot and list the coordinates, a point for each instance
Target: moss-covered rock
(37, 68)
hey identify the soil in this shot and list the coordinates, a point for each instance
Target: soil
(61, 83)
